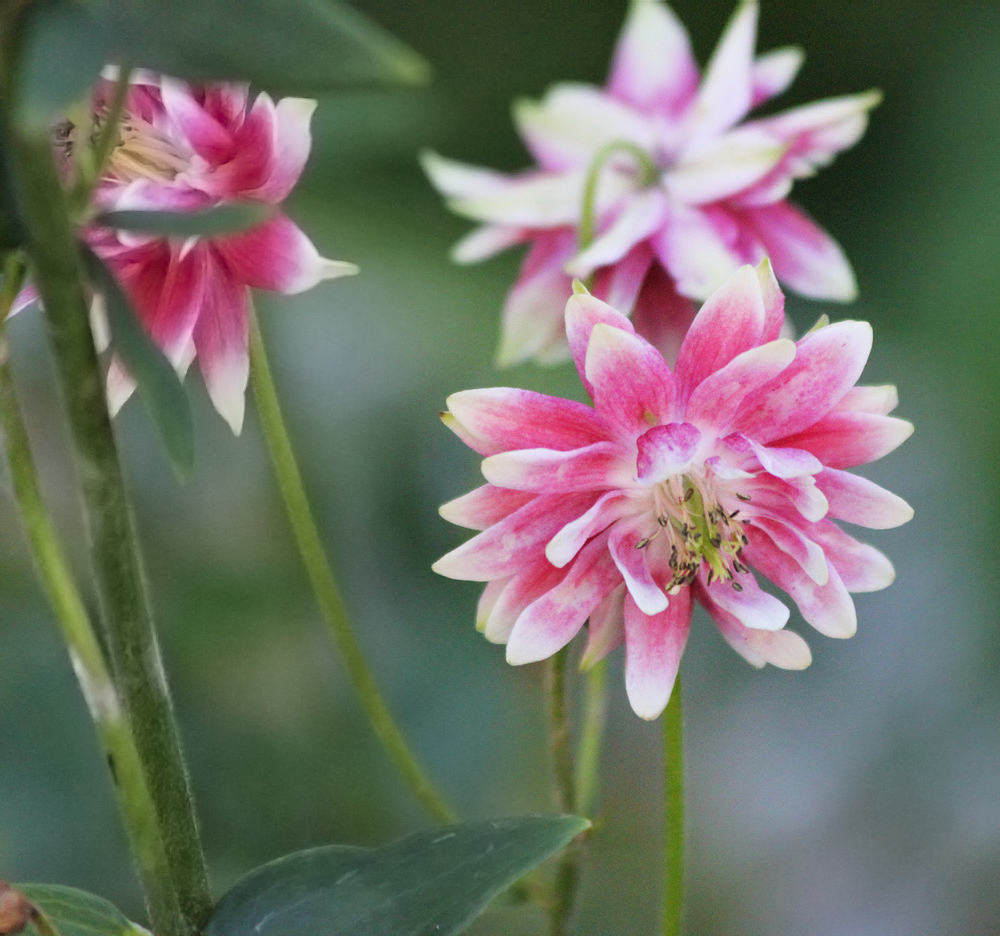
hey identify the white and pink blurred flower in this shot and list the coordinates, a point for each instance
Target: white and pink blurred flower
(184, 148)
(674, 485)
(687, 190)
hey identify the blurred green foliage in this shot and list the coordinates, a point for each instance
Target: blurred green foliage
(857, 797)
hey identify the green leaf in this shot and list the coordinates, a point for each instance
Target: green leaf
(156, 379)
(62, 50)
(12, 233)
(433, 882)
(76, 913)
(299, 47)
(205, 222)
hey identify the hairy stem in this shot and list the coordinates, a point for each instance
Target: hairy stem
(325, 586)
(673, 803)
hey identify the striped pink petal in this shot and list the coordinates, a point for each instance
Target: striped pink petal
(653, 649)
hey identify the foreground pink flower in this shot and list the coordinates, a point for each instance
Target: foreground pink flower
(685, 192)
(675, 485)
(184, 148)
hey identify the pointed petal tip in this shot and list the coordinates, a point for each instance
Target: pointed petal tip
(579, 289)
(332, 269)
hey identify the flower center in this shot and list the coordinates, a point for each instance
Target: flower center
(698, 528)
(144, 152)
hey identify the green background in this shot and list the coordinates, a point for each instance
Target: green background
(859, 797)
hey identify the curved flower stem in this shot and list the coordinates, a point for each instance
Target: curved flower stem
(137, 664)
(325, 587)
(588, 765)
(568, 869)
(588, 213)
(673, 802)
(95, 681)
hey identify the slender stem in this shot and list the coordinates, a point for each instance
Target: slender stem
(107, 138)
(138, 667)
(325, 586)
(673, 800)
(560, 744)
(588, 214)
(595, 709)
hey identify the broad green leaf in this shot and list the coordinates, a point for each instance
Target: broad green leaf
(300, 47)
(206, 222)
(76, 913)
(155, 378)
(62, 49)
(433, 882)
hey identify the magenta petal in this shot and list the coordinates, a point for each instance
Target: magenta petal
(653, 67)
(828, 607)
(205, 135)
(861, 567)
(632, 563)
(880, 401)
(551, 621)
(277, 256)
(620, 284)
(583, 312)
(589, 468)
(221, 338)
(781, 648)
(827, 364)
(803, 254)
(791, 541)
(571, 538)
(483, 507)
(501, 419)
(752, 607)
(729, 323)
(606, 628)
(858, 500)
(843, 440)
(664, 451)
(661, 314)
(290, 147)
(254, 148)
(786, 461)
(774, 302)
(653, 649)
(515, 542)
(632, 386)
(519, 592)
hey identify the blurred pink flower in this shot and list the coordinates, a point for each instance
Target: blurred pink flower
(184, 148)
(685, 192)
(674, 485)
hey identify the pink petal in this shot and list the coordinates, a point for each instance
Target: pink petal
(786, 462)
(792, 542)
(653, 67)
(858, 500)
(774, 302)
(879, 401)
(804, 255)
(254, 146)
(653, 649)
(193, 124)
(457, 180)
(487, 601)
(289, 148)
(642, 216)
(752, 607)
(583, 312)
(574, 121)
(632, 563)
(221, 338)
(782, 497)
(515, 542)
(827, 607)
(593, 467)
(729, 323)
(632, 386)
(665, 451)
(501, 419)
(661, 314)
(564, 546)
(827, 364)
(519, 592)
(606, 628)
(774, 71)
(620, 284)
(483, 507)
(843, 440)
(25, 298)
(716, 400)
(861, 567)
(541, 199)
(726, 92)
(783, 648)
(277, 256)
(485, 241)
(551, 621)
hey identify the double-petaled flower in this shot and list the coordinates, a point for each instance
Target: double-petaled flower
(677, 484)
(656, 186)
(185, 148)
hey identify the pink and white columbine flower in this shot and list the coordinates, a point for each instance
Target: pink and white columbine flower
(685, 191)
(675, 485)
(184, 148)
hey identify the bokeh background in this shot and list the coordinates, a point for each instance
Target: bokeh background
(860, 798)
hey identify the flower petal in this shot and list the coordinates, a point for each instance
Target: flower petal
(661, 314)
(483, 507)
(589, 468)
(861, 567)
(605, 629)
(774, 71)
(583, 312)
(564, 546)
(290, 145)
(843, 440)
(193, 124)
(631, 561)
(551, 621)
(539, 199)
(751, 606)
(653, 649)
(457, 180)
(665, 451)
(641, 217)
(519, 592)
(858, 500)
(485, 241)
(792, 542)
(876, 400)
(786, 462)
(784, 648)
(221, 338)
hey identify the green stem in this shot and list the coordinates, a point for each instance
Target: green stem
(95, 681)
(595, 709)
(325, 587)
(138, 667)
(560, 744)
(673, 799)
(107, 137)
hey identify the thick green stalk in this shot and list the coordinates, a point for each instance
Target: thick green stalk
(95, 681)
(135, 655)
(325, 586)
(673, 813)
